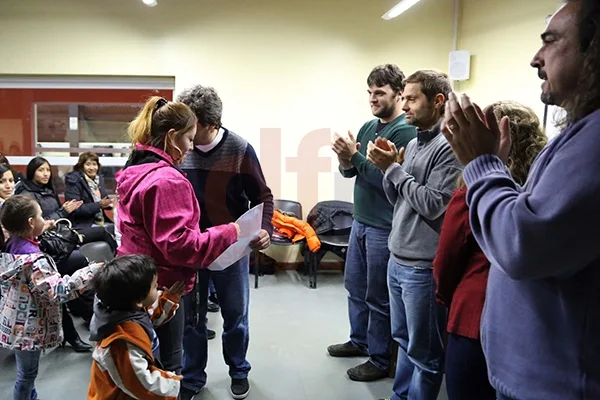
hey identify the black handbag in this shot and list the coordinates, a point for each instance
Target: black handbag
(60, 242)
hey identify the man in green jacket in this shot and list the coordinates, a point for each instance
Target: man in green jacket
(367, 258)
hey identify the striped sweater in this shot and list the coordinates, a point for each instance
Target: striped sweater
(124, 367)
(228, 180)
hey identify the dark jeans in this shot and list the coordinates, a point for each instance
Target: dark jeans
(27, 370)
(466, 370)
(98, 234)
(83, 305)
(233, 291)
(69, 331)
(211, 289)
(365, 279)
(418, 323)
(75, 262)
(170, 336)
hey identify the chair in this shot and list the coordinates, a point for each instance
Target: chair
(110, 228)
(335, 240)
(97, 251)
(287, 206)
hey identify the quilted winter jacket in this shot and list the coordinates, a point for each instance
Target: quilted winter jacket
(30, 305)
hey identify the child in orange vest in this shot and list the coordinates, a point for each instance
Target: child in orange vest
(127, 308)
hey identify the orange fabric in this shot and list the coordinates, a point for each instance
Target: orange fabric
(103, 386)
(296, 230)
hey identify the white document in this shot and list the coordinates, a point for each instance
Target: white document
(250, 225)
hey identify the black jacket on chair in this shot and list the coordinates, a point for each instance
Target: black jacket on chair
(322, 214)
(46, 198)
(77, 188)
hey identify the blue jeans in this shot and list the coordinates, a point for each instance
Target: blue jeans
(27, 370)
(365, 279)
(211, 288)
(155, 345)
(233, 291)
(418, 323)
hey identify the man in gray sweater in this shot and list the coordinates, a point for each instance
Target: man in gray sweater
(419, 181)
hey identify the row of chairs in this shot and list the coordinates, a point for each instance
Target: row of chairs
(335, 241)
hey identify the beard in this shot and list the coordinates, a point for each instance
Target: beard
(548, 99)
(416, 121)
(547, 96)
(385, 112)
(424, 118)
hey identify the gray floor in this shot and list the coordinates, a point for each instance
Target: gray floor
(291, 327)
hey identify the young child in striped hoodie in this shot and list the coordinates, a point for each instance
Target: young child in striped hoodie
(128, 306)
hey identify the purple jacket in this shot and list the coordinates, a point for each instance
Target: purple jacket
(541, 323)
(17, 245)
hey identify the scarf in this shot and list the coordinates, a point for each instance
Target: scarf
(94, 185)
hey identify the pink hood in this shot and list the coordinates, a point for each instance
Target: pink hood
(159, 216)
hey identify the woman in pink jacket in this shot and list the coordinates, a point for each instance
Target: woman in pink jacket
(158, 212)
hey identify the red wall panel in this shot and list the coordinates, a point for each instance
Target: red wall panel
(16, 110)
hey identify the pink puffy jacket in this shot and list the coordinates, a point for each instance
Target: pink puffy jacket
(159, 216)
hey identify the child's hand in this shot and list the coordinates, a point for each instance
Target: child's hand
(177, 289)
(49, 224)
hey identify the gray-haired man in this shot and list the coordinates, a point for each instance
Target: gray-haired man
(227, 178)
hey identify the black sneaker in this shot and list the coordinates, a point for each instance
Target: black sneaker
(210, 334)
(186, 394)
(213, 307)
(367, 372)
(347, 349)
(240, 388)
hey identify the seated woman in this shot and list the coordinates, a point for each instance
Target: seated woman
(38, 184)
(16, 174)
(85, 184)
(7, 182)
(7, 187)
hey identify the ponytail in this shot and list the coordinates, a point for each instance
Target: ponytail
(140, 128)
(156, 119)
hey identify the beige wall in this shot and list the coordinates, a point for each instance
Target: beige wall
(503, 37)
(293, 67)
(289, 69)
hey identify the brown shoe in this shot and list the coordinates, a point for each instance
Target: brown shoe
(347, 349)
(367, 372)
